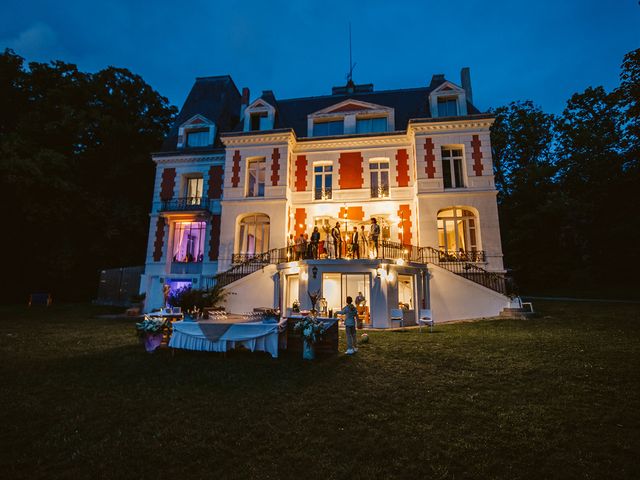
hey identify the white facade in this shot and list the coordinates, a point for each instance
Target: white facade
(433, 186)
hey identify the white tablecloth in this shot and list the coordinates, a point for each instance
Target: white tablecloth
(255, 336)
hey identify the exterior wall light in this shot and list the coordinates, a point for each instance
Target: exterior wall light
(314, 272)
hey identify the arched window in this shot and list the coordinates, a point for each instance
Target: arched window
(253, 234)
(457, 230)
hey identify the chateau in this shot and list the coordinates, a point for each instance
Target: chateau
(237, 177)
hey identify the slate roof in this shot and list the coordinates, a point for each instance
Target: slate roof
(217, 99)
(408, 103)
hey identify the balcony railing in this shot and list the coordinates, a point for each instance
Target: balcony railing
(380, 191)
(322, 194)
(185, 204)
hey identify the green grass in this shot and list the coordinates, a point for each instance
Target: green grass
(552, 397)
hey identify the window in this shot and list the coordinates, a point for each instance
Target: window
(371, 125)
(256, 176)
(254, 235)
(322, 178)
(198, 138)
(259, 121)
(379, 170)
(457, 231)
(447, 106)
(188, 241)
(452, 167)
(194, 190)
(326, 129)
(405, 292)
(336, 287)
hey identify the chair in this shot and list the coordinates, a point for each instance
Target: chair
(426, 319)
(397, 316)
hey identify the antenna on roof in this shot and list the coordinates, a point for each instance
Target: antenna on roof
(351, 64)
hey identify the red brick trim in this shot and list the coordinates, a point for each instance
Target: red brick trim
(350, 170)
(429, 158)
(477, 155)
(159, 243)
(214, 240)
(168, 183)
(301, 173)
(402, 167)
(275, 167)
(353, 213)
(301, 219)
(404, 232)
(215, 181)
(235, 179)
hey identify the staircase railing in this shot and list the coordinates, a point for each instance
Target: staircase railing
(460, 263)
(468, 270)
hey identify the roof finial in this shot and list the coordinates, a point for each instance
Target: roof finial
(351, 64)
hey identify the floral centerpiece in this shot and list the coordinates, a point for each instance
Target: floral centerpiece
(312, 331)
(150, 330)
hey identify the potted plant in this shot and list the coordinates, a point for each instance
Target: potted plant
(150, 331)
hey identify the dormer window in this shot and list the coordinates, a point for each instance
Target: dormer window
(259, 116)
(351, 117)
(259, 121)
(198, 138)
(328, 128)
(196, 132)
(447, 106)
(448, 100)
(371, 125)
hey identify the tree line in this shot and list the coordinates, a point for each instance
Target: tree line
(76, 180)
(567, 187)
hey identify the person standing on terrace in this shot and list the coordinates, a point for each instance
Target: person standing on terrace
(374, 234)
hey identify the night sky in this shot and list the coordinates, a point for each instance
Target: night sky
(541, 50)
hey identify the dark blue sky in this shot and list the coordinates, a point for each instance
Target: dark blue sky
(541, 50)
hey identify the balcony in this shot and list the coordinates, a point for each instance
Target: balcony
(186, 204)
(322, 194)
(379, 191)
(186, 267)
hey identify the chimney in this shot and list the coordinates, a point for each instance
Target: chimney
(436, 80)
(245, 101)
(465, 81)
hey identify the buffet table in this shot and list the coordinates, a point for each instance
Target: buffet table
(221, 337)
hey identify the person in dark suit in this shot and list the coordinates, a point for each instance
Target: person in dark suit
(337, 239)
(355, 243)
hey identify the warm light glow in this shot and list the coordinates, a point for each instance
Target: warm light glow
(372, 255)
(400, 261)
(390, 276)
(295, 269)
(304, 276)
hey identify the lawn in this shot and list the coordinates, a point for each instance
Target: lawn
(552, 397)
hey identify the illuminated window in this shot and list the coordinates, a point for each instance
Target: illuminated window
(405, 292)
(452, 167)
(188, 241)
(457, 230)
(322, 178)
(256, 177)
(193, 191)
(379, 171)
(253, 236)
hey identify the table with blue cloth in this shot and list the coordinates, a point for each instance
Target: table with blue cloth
(222, 337)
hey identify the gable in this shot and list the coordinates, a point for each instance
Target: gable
(197, 120)
(350, 106)
(448, 87)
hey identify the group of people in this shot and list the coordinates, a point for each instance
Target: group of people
(352, 244)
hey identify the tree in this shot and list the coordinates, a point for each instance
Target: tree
(524, 162)
(75, 172)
